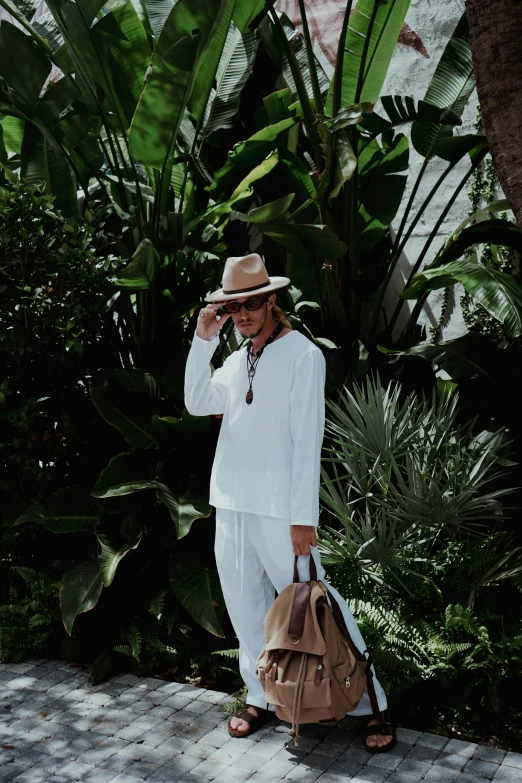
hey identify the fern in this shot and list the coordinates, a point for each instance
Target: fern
(234, 653)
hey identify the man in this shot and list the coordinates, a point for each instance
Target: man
(266, 471)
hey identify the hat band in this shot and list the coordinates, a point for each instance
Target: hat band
(242, 290)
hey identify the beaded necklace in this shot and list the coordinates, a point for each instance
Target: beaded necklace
(252, 363)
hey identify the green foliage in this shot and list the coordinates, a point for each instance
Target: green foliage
(420, 541)
(28, 623)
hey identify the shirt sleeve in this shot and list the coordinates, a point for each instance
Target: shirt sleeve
(307, 419)
(205, 394)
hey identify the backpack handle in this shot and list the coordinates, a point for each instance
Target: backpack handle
(313, 570)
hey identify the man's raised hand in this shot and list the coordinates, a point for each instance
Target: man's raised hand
(207, 325)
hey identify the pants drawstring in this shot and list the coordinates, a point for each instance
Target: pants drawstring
(240, 514)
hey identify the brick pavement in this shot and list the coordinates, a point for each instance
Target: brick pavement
(55, 727)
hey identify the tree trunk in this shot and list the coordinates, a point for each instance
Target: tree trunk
(495, 34)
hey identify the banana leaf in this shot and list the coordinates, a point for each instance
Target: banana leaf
(496, 291)
(26, 72)
(40, 163)
(245, 155)
(383, 39)
(450, 88)
(235, 66)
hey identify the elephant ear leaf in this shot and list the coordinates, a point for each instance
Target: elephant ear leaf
(79, 591)
(68, 510)
(114, 542)
(198, 589)
(184, 509)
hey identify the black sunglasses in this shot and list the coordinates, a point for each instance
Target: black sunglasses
(253, 303)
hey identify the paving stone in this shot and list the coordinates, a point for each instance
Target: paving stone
(258, 778)
(465, 778)
(513, 760)
(195, 707)
(127, 679)
(276, 768)
(302, 775)
(75, 770)
(170, 688)
(206, 770)
(174, 745)
(19, 683)
(217, 737)
(507, 775)
(234, 775)
(414, 768)
(291, 754)
(124, 778)
(99, 775)
(248, 763)
(459, 746)
(357, 756)
(432, 741)
(403, 777)
(370, 775)
(451, 760)
(345, 769)
(213, 697)
(443, 775)
(317, 761)
(484, 769)
(19, 668)
(102, 751)
(230, 751)
(486, 753)
(264, 750)
(177, 701)
(407, 735)
(162, 712)
(142, 769)
(11, 771)
(422, 753)
(331, 778)
(384, 761)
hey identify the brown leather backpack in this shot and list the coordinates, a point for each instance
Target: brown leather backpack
(310, 669)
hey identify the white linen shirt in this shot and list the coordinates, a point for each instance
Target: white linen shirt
(268, 453)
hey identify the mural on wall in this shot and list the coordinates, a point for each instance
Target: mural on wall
(325, 20)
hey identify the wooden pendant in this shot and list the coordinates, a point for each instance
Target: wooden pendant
(249, 396)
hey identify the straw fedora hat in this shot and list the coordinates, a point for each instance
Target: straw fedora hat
(245, 275)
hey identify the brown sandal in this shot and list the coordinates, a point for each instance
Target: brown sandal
(255, 721)
(384, 727)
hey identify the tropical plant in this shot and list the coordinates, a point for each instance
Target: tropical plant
(405, 476)
(415, 532)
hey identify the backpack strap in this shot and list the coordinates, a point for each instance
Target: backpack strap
(313, 570)
(339, 618)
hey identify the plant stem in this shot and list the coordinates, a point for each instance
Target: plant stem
(319, 106)
(397, 254)
(339, 63)
(308, 116)
(412, 320)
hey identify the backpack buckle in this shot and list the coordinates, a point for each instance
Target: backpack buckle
(297, 640)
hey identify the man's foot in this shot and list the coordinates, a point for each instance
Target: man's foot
(377, 740)
(241, 725)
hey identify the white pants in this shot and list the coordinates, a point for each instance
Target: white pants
(254, 555)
